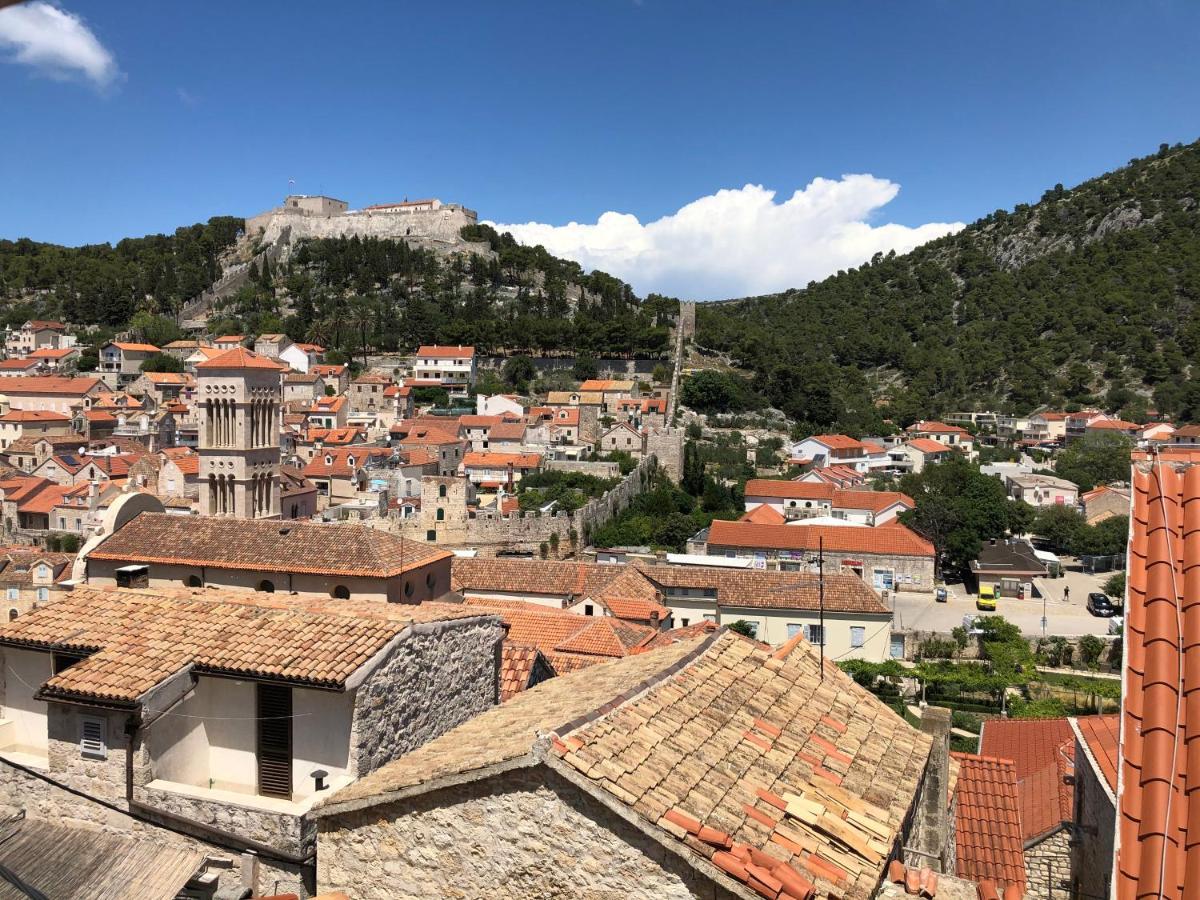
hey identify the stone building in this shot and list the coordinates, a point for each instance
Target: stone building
(238, 396)
(339, 560)
(710, 768)
(1093, 844)
(94, 704)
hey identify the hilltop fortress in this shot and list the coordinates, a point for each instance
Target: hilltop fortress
(429, 223)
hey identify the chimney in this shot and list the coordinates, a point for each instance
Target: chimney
(93, 496)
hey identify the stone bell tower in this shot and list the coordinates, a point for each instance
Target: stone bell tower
(238, 400)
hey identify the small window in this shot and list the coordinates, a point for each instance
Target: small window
(12, 614)
(441, 490)
(91, 738)
(441, 515)
(588, 609)
(341, 592)
(267, 587)
(793, 629)
(683, 623)
(14, 593)
(408, 589)
(43, 594)
(858, 635)
(431, 535)
(430, 581)
(194, 581)
(815, 634)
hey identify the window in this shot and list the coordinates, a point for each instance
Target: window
(12, 614)
(793, 629)
(431, 535)
(683, 623)
(858, 635)
(588, 610)
(91, 738)
(60, 662)
(430, 580)
(441, 515)
(341, 592)
(441, 490)
(43, 594)
(815, 634)
(14, 593)
(266, 587)
(274, 740)
(194, 581)
(408, 589)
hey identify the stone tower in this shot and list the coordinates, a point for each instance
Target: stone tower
(238, 397)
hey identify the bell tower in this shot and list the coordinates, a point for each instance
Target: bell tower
(238, 397)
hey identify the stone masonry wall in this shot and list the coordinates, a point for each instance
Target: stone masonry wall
(437, 678)
(1095, 828)
(438, 229)
(44, 800)
(1048, 868)
(523, 834)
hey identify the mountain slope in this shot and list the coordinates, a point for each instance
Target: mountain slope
(1090, 295)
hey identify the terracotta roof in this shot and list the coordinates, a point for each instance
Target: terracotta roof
(239, 358)
(763, 514)
(135, 347)
(478, 421)
(927, 445)
(17, 565)
(517, 667)
(188, 465)
(180, 378)
(351, 434)
(502, 460)
(1188, 431)
(731, 754)
(507, 431)
(137, 639)
(703, 628)
(44, 324)
(328, 404)
(53, 352)
(555, 631)
(606, 384)
(1158, 841)
(231, 339)
(75, 386)
(893, 539)
(18, 365)
(1099, 735)
(446, 352)
(755, 588)
(1114, 425)
(266, 546)
(34, 415)
(837, 441)
(340, 460)
(839, 498)
(1043, 752)
(935, 427)
(988, 838)
(328, 369)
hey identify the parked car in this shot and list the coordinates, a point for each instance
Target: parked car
(1116, 625)
(1099, 605)
(941, 596)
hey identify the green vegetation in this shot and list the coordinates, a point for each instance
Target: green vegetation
(570, 490)
(1115, 586)
(1065, 530)
(161, 362)
(1085, 297)
(1095, 459)
(103, 284)
(665, 516)
(958, 508)
(718, 392)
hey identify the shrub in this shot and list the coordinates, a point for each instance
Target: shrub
(1090, 648)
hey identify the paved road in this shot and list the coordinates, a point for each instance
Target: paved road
(1068, 619)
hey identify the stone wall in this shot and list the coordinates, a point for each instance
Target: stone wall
(1048, 867)
(525, 833)
(600, 468)
(1095, 827)
(491, 533)
(41, 798)
(438, 229)
(435, 679)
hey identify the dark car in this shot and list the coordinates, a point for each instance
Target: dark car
(1099, 605)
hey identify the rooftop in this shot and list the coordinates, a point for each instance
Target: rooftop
(265, 545)
(137, 639)
(1099, 735)
(238, 358)
(1043, 754)
(440, 352)
(886, 539)
(710, 745)
(988, 838)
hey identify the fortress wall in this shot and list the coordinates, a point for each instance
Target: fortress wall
(440, 226)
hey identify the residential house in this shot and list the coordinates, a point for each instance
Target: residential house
(36, 334)
(1046, 428)
(341, 474)
(799, 500)
(498, 405)
(229, 342)
(916, 454)
(1131, 430)
(1011, 565)
(18, 365)
(182, 348)
(1155, 433)
(16, 424)
(1093, 849)
(440, 438)
(120, 361)
(331, 560)
(1043, 756)
(328, 412)
(201, 355)
(313, 441)
(302, 388)
(837, 449)
(1042, 490)
(612, 393)
(28, 503)
(54, 360)
(453, 368)
(28, 453)
(1010, 427)
(31, 576)
(1078, 423)
(140, 739)
(80, 468)
(336, 375)
(555, 757)
(494, 470)
(165, 387)
(297, 495)
(1104, 502)
(1186, 436)
(179, 473)
(890, 557)
(838, 476)
(477, 429)
(56, 393)
(643, 412)
(367, 393)
(952, 436)
(507, 436)
(397, 403)
(623, 438)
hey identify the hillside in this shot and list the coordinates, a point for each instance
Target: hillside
(345, 293)
(1088, 296)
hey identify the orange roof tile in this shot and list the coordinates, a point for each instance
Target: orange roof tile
(75, 386)
(136, 348)
(763, 514)
(1099, 735)
(988, 839)
(927, 445)
(17, 365)
(34, 415)
(888, 539)
(518, 665)
(445, 352)
(837, 441)
(1043, 751)
(502, 460)
(239, 358)
(1158, 841)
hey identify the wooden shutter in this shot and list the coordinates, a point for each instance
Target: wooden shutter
(274, 741)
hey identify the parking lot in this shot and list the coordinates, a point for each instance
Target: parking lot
(1068, 618)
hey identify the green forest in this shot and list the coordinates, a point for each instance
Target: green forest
(102, 284)
(1087, 297)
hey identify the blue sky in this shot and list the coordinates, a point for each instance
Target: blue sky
(557, 112)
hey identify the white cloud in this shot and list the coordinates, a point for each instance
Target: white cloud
(56, 43)
(736, 243)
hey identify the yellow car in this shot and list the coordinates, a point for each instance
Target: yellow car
(987, 598)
